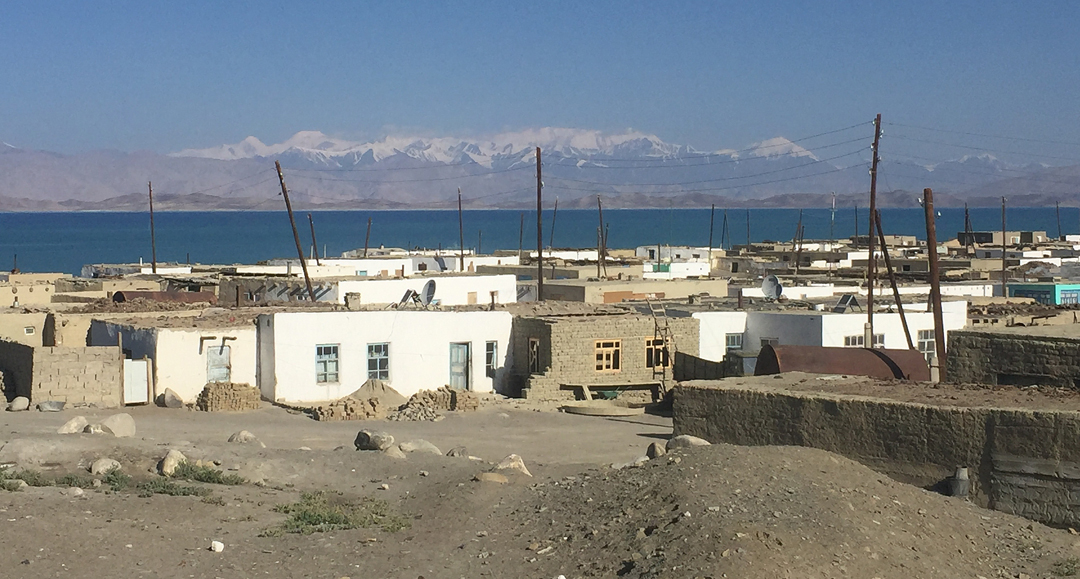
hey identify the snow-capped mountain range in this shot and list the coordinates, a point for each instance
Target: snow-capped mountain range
(628, 168)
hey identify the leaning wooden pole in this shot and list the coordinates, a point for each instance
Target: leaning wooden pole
(314, 242)
(461, 230)
(539, 230)
(153, 240)
(892, 282)
(554, 214)
(296, 235)
(935, 282)
(367, 236)
(603, 237)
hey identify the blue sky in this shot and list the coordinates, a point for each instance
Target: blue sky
(165, 76)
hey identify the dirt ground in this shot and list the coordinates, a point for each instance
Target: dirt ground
(718, 511)
(964, 395)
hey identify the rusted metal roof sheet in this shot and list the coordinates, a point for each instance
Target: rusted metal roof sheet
(873, 362)
(183, 297)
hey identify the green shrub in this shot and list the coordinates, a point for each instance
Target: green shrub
(116, 480)
(206, 474)
(162, 486)
(317, 513)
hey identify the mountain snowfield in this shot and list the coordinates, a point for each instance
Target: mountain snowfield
(582, 144)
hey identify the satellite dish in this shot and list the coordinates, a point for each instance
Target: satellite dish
(771, 287)
(428, 293)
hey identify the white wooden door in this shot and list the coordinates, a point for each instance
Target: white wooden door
(136, 389)
(218, 364)
(459, 366)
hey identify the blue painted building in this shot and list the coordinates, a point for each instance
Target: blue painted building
(1047, 293)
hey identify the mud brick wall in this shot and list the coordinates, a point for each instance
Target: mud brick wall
(568, 350)
(1021, 462)
(993, 358)
(90, 375)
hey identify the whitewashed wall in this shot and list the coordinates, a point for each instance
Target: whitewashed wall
(419, 350)
(449, 290)
(713, 328)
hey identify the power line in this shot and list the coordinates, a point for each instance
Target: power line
(906, 138)
(709, 189)
(970, 134)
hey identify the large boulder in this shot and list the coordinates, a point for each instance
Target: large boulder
(50, 406)
(103, 466)
(19, 404)
(420, 445)
(686, 441)
(73, 426)
(245, 437)
(373, 440)
(119, 425)
(656, 450)
(515, 463)
(171, 399)
(173, 458)
(393, 451)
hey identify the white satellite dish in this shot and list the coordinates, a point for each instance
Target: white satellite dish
(771, 287)
(428, 293)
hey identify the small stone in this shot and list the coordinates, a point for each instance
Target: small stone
(74, 492)
(103, 466)
(75, 425)
(423, 473)
(420, 445)
(119, 425)
(173, 458)
(384, 487)
(373, 440)
(394, 452)
(50, 406)
(93, 429)
(304, 448)
(458, 451)
(19, 404)
(217, 546)
(513, 462)
(655, 450)
(686, 441)
(491, 477)
(171, 399)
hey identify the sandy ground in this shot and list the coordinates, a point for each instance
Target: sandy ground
(720, 511)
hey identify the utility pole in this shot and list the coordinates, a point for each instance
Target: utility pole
(479, 241)
(603, 237)
(871, 264)
(521, 236)
(539, 230)
(708, 256)
(461, 231)
(1004, 244)
(296, 236)
(725, 233)
(935, 282)
(367, 237)
(153, 241)
(969, 237)
(855, 240)
(1057, 209)
(796, 244)
(747, 231)
(832, 224)
(554, 214)
(314, 243)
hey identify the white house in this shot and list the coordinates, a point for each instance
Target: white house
(450, 290)
(184, 359)
(316, 356)
(723, 331)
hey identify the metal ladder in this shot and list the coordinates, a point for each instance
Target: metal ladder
(662, 331)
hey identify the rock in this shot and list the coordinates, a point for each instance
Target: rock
(686, 441)
(458, 451)
(16, 485)
(636, 462)
(245, 437)
(491, 477)
(19, 404)
(513, 462)
(655, 450)
(93, 429)
(419, 445)
(170, 399)
(74, 492)
(73, 426)
(373, 440)
(217, 546)
(394, 452)
(50, 406)
(103, 466)
(119, 425)
(172, 459)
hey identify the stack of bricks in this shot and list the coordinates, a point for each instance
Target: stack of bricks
(228, 397)
(350, 409)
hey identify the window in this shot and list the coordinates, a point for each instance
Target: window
(656, 354)
(326, 363)
(534, 356)
(927, 344)
(859, 341)
(733, 341)
(1069, 297)
(491, 358)
(608, 355)
(28, 330)
(770, 342)
(378, 361)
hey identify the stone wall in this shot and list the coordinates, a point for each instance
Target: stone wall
(1012, 359)
(77, 376)
(1022, 462)
(568, 350)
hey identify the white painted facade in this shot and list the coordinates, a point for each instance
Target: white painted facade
(881, 291)
(418, 343)
(181, 357)
(816, 328)
(674, 252)
(449, 290)
(394, 266)
(675, 270)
